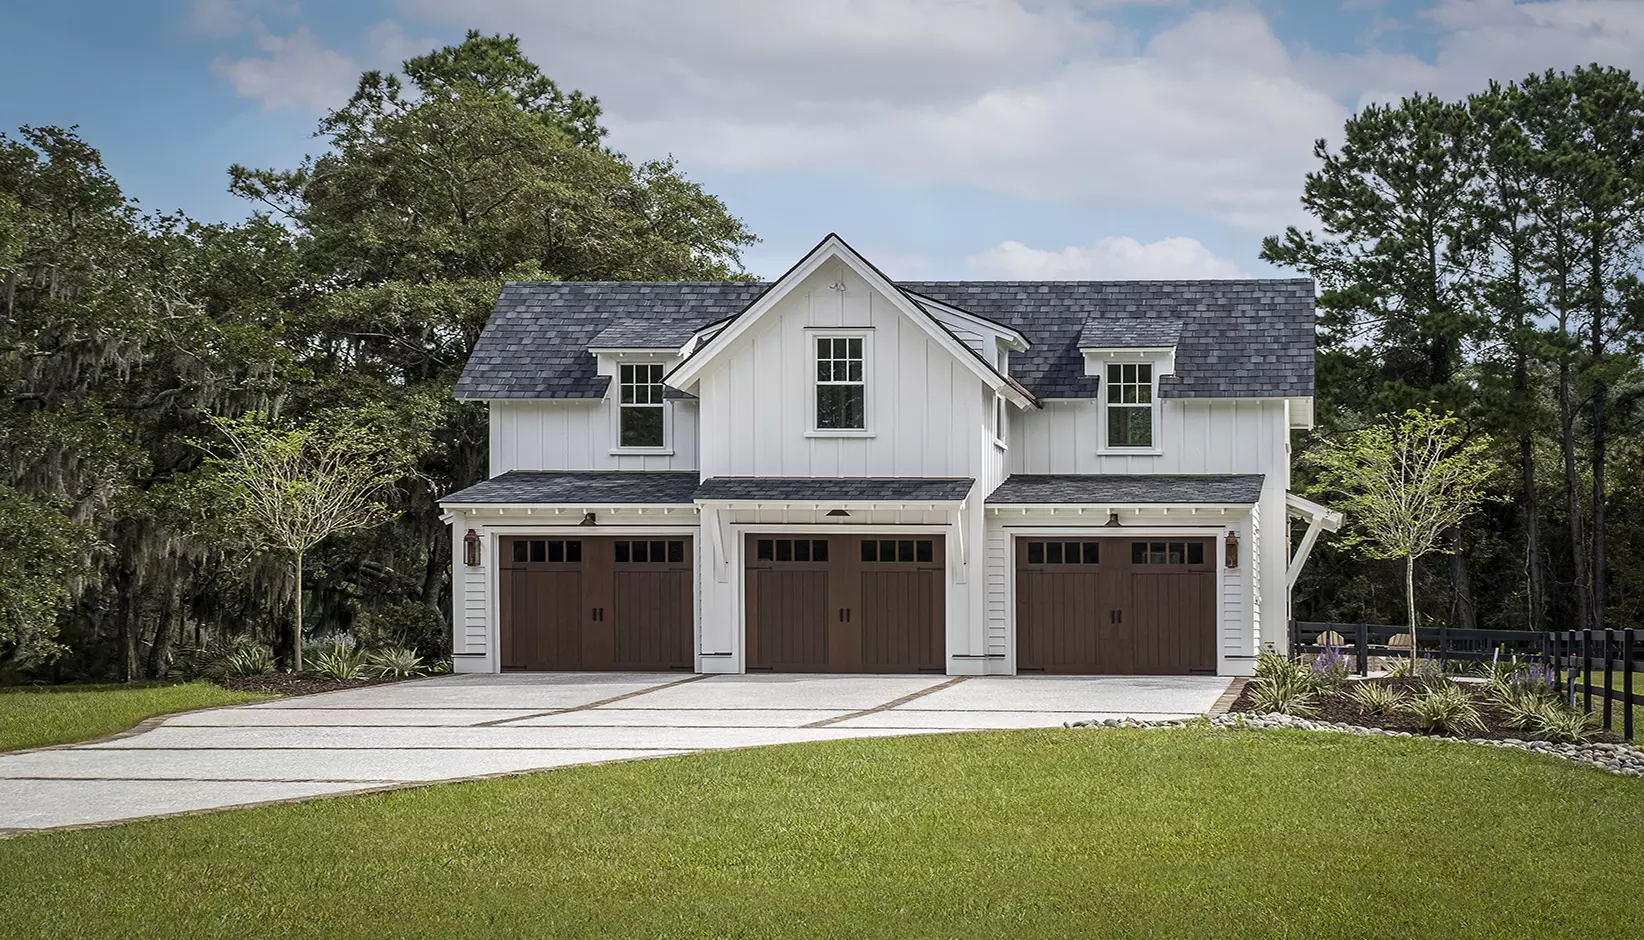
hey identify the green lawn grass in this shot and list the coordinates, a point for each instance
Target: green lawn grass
(38, 716)
(1061, 833)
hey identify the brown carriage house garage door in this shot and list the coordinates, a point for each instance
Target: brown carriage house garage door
(596, 603)
(845, 603)
(1115, 606)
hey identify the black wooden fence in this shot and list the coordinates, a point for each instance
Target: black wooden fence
(1573, 658)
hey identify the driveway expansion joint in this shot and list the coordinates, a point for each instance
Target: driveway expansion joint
(912, 696)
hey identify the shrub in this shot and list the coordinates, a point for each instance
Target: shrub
(1548, 718)
(248, 661)
(212, 660)
(340, 662)
(1446, 709)
(1376, 698)
(1269, 664)
(1292, 691)
(394, 662)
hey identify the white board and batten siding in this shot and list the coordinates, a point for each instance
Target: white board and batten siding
(579, 434)
(924, 410)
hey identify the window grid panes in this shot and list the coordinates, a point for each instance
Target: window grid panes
(648, 551)
(1130, 404)
(841, 391)
(1064, 553)
(558, 551)
(880, 551)
(811, 550)
(1167, 553)
(642, 401)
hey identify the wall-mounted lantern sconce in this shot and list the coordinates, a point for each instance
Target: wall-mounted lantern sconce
(588, 519)
(1232, 549)
(838, 513)
(471, 549)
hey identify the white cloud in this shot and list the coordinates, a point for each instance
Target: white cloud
(1113, 258)
(1480, 40)
(1052, 100)
(296, 70)
(1045, 100)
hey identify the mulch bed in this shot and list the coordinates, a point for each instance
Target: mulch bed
(1340, 707)
(285, 683)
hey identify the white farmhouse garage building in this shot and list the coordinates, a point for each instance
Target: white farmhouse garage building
(835, 472)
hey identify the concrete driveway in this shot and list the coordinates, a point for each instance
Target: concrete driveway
(456, 727)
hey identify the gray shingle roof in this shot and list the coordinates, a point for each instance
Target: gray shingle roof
(1238, 339)
(583, 487)
(832, 489)
(644, 334)
(536, 344)
(1129, 332)
(1111, 488)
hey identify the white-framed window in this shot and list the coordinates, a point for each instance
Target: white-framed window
(841, 397)
(641, 407)
(1001, 421)
(1129, 417)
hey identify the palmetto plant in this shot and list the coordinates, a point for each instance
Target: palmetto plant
(1446, 709)
(394, 662)
(339, 662)
(1292, 690)
(247, 661)
(1548, 718)
(1378, 699)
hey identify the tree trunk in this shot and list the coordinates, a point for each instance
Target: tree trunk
(128, 626)
(159, 653)
(1530, 506)
(1461, 583)
(297, 619)
(1572, 497)
(1410, 605)
(1600, 393)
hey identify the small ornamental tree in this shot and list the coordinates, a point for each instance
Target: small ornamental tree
(295, 487)
(1405, 481)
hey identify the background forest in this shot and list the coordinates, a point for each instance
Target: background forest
(1480, 255)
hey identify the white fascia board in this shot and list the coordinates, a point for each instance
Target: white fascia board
(562, 509)
(863, 505)
(1097, 356)
(829, 249)
(1017, 509)
(633, 350)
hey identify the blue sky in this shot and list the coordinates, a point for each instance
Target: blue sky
(944, 138)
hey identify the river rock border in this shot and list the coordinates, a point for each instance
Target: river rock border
(1624, 759)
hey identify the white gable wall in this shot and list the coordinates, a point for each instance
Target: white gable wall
(758, 398)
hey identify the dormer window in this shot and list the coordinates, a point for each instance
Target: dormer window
(641, 422)
(841, 384)
(1129, 404)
